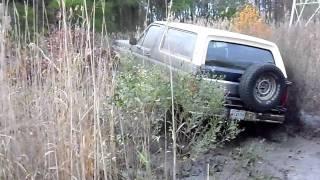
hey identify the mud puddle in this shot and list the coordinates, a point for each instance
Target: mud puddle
(275, 152)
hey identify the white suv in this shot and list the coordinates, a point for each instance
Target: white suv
(252, 69)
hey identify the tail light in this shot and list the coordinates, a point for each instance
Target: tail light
(284, 98)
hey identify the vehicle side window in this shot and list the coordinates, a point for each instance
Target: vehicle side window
(237, 54)
(152, 34)
(179, 43)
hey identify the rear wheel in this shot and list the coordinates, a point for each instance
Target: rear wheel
(261, 87)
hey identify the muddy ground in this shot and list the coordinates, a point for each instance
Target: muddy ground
(286, 152)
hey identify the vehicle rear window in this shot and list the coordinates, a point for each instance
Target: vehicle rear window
(236, 54)
(179, 42)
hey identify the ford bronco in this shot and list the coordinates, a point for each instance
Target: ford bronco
(253, 71)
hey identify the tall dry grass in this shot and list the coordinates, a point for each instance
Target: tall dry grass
(58, 120)
(54, 90)
(300, 49)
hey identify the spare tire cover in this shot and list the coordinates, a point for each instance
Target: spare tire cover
(261, 87)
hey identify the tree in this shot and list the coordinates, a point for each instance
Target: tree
(249, 21)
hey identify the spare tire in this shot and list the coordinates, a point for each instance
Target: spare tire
(261, 87)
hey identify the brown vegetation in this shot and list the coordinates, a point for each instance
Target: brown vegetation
(300, 47)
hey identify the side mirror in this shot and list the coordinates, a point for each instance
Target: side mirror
(133, 41)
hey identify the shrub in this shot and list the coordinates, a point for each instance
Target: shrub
(143, 96)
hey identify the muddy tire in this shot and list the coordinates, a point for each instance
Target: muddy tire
(261, 87)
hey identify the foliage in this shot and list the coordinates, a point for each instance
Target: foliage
(127, 15)
(248, 21)
(25, 16)
(68, 3)
(228, 8)
(181, 5)
(198, 105)
(186, 10)
(98, 12)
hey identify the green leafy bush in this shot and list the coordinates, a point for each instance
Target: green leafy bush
(145, 92)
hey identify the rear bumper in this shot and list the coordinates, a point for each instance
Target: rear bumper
(275, 115)
(269, 117)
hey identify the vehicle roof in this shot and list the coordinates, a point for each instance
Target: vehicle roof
(215, 32)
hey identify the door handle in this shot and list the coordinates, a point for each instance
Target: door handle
(147, 54)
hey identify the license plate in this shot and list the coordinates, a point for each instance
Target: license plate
(237, 114)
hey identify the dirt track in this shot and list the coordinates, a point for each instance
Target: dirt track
(276, 152)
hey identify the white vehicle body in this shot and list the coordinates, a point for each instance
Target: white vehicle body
(205, 35)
